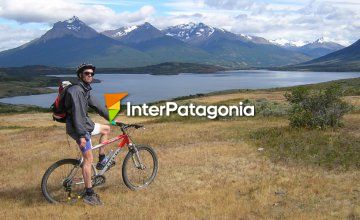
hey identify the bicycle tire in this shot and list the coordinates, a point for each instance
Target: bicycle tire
(129, 155)
(49, 171)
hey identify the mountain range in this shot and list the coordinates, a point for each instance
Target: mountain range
(346, 59)
(71, 42)
(318, 48)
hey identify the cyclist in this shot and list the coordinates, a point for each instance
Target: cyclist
(80, 127)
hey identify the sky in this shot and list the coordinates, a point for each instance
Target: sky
(301, 20)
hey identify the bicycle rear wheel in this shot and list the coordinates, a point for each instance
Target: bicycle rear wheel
(139, 171)
(63, 181)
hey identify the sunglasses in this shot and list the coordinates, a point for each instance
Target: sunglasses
(89, 73)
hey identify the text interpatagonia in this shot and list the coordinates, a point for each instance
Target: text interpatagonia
(211, 111)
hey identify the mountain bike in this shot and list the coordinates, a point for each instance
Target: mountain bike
(63, 181)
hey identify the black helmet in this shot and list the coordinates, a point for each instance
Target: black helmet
(83, 67)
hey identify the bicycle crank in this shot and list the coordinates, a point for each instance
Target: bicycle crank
(98, 180)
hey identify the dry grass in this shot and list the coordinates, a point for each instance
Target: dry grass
(207, 170)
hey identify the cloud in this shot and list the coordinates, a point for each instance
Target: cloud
(305, 20)
(15, 37)
(230, 4)
(301, 20)
(43, 11)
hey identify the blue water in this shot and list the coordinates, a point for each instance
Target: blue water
(147, 88)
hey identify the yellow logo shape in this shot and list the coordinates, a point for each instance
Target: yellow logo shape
(113, 103)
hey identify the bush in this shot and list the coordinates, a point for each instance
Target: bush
(316, 108)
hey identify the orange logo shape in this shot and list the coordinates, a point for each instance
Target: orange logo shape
(113, 103)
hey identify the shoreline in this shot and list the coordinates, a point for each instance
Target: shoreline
(214, 93)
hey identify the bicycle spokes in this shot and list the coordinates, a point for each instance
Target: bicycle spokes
(140, 170)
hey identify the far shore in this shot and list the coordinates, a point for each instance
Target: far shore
(353, 81)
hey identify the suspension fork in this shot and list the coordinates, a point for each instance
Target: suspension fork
(136, 159)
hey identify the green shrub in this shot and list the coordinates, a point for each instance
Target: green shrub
(316, 108)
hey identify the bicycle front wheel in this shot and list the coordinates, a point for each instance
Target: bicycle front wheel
(139, 167)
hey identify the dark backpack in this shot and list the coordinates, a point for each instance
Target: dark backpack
(58, 107)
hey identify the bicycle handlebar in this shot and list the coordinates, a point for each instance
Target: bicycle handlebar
(126, 126)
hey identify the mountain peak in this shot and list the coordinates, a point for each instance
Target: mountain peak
(72, 26)
(135, 33)
(73, 23)
(146, 24)
(288, 43)
(191, 31)
(320, 40)
(72, 19)
(323, 40)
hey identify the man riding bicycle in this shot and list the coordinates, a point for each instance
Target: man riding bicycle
(80, 127)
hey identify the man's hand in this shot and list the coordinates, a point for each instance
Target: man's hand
(82, 142)
(114, 122)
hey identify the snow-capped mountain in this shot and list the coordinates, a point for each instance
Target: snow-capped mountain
(134, 34)
(320, 47)
(189, 32)
(240, 48)
(196, 33)
(118, 33)
(73, 26)
(69, 43)
(317, 48)
(148, 39)
(324, 43)
(288, 43)
(254, 39)
(346, 59)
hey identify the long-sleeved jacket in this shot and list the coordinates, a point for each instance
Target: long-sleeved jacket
(77, 101)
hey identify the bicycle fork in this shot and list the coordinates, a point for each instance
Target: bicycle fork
(136, 159)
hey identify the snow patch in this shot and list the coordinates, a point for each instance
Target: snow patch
(284, 42)
(125, 31)
(73, 27)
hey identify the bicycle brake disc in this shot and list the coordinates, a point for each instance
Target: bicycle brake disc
(98, 180)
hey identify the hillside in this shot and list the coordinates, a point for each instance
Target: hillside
(224, 168)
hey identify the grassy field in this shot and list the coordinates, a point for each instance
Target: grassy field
(208, 169)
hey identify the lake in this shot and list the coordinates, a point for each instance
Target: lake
(148, 88)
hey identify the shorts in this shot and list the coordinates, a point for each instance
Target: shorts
(88, 145)
(96, 129)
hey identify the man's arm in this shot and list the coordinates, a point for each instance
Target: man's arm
(78, 111)
(95, 104)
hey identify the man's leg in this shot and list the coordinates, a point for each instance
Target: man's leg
(90, 197)
(104, 131)
(86, 168)
(104, 134)
(87, 160)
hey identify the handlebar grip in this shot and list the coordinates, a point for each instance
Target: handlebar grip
(126, 125)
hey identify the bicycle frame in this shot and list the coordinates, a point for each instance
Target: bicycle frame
(125, 141)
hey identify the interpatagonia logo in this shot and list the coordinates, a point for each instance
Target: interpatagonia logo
(212, 111)
(113, 103)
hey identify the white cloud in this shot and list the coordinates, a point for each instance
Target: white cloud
(15, 37)
(293, 20)
(44, 11)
